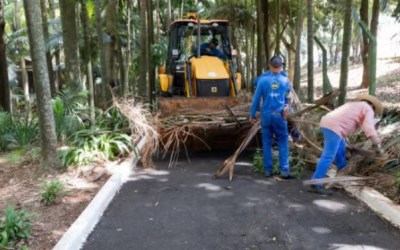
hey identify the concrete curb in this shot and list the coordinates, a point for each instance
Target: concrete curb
(379, 203)
(77, 233)
(376, 201)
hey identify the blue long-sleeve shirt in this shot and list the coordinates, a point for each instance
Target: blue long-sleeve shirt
(274, 89)
(213, 51)
(255, 82)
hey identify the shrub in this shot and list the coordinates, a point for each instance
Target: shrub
(51, 191)
(15, 225)
(258, 163)
(93, 145)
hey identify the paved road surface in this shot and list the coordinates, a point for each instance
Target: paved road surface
(184, 208)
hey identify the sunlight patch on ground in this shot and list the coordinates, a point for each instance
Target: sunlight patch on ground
(219, 194)
(209, 186)
(321, 230)
(296, 207)
(263, 182)
(243, 163)
(353, 247)
(333, 206)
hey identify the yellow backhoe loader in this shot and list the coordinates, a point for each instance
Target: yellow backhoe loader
(193, 78)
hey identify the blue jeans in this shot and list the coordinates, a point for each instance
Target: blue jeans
(334, 151)
(272, 124)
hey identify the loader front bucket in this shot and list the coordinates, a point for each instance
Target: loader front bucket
(195, 105)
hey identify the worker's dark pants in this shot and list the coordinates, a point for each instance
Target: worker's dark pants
(334, 151)
(272, 124)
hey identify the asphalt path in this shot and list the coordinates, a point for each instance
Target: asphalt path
(185, 208)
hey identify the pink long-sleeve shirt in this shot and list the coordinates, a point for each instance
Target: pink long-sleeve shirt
(349, 117)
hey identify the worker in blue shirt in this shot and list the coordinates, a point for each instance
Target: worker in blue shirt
(292, 129)
(273, 89)
(211, 49)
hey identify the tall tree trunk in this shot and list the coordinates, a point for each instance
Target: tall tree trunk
(345, 51)
(261, 62)
(169, 14)
(4, 84)
(70, 42)
(297, 60)
(100, 41)
(143, 82)
(253, 53)
(128, 57)
(111, 47)
(88, 60)
(57, 76)
(42, 85)
(364, 48)
(310, 52)
(22, 64)
(150, 41)
(267, 42)
(277, 29)
(48, 54)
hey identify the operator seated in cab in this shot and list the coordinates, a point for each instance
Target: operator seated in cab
(210, 49)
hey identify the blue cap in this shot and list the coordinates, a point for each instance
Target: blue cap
(276, 62)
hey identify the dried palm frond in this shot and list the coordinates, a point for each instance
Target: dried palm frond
(229, 163)
(141, 123)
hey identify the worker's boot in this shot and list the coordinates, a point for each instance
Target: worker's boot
(320, 190)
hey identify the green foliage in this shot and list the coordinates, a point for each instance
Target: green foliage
(111, 119)
(51, 191)
(68, 109)
(5, 125)
(15, 225)
(258, 163)
(297, 166)
(24, 132)
(93, 145)
(17, 132)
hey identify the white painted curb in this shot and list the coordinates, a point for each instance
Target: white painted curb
(379, 203)
(77, 233)
(376, 201)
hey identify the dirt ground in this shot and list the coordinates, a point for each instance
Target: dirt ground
(20, 188)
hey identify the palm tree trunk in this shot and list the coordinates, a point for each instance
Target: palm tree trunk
(22, 64)
(364, 49)
(4, 85)
(261, 62)
(88, 60)
(345, 51)
(265, 7)
(48, 54)
(104, 73)
(70, 41)
(297, 60)
(310, 52)
(128, 57)
(150, 41)
(42, 85)
(57, 77)
(143, 82)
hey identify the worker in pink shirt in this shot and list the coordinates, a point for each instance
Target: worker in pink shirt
(337, 125)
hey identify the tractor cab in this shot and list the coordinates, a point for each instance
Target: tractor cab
(193, 69)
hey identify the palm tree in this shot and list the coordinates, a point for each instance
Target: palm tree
(345, 50)
(4, 86)
(70, 41)
(310, 52)
(42, 85)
